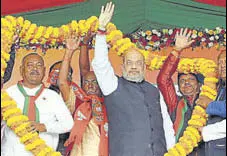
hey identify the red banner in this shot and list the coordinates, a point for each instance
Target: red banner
(19, 6)
(221, 3)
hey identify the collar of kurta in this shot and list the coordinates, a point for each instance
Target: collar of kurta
(30, 108)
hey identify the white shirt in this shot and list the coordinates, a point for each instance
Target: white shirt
(214, 131)
(108, 83)
(53, 114)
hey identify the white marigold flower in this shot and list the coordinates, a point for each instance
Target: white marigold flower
(211, 44)
(212, 38)
(218, 29)
(149, 38)
(207, 30)
(170, 31)
(216, 37)
(159, 34)
(155, 31)
(194, 36)
(156, 44)
(203, 39)
(143, 34)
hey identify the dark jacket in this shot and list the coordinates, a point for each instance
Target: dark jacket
(135, 120)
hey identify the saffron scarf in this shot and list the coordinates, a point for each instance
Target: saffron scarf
(30, 108)
(91, 108)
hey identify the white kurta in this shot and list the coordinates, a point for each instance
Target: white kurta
(53, 113)
(108, 83)
(214, 131)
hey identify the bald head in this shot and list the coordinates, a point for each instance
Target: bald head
(32, 70)
(30, 55)
(134, 66)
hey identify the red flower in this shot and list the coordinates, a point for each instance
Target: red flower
(143, 41)
(155, 38)
(223, 31)
(168, 42)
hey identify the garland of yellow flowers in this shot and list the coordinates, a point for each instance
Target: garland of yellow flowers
(191, 136)
(19, 123)
(29, 32)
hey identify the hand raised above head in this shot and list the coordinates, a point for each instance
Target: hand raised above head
(106, 15)
(72, 42)
(183, 39)
(88, 37)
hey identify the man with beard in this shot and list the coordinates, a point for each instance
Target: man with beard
(180, 108)
(89, 133)
(45, 109)
(214, 134)
(133, 105)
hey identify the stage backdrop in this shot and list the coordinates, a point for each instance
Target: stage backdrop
(54, 55)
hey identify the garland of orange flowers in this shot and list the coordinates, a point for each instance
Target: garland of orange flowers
(19, 123)
(29, 32)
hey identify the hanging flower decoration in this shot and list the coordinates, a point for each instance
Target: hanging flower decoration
(48, 37)
(154, 40)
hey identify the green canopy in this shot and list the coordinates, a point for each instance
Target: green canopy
(133, 14)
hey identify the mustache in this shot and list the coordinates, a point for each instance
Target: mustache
(188, 85)
(34, 72)
(134, 71)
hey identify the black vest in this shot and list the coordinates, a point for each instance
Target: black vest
(217, 147)
(135, 120)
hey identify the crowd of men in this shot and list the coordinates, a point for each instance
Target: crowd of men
(111, 115)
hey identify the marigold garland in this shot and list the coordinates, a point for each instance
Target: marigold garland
(19, 124)
(30, 33)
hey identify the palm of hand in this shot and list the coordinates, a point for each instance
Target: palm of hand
(182, 42)
(71, 44)
(183, 39)
(106, 15)
(104, 19)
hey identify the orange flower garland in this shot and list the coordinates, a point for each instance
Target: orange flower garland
(31, 33)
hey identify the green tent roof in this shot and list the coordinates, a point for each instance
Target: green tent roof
(133, 14)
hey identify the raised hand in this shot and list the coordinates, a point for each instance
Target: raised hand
(183, 39)
(88, 37)
(72, 43)
(106, 15)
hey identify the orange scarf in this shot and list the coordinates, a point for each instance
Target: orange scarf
(91, 108)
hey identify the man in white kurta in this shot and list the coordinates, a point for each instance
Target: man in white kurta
(53, 114)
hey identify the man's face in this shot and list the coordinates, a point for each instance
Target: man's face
(133, 67)
(189, 85)
(90, 84)
(33, 70)
(222, 66)
(54, 75)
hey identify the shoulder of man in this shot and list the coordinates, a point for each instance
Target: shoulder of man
(12, 89)
(151, 86)
(51, 92)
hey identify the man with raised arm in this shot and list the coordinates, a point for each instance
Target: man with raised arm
(89, 136)
(133, 105)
